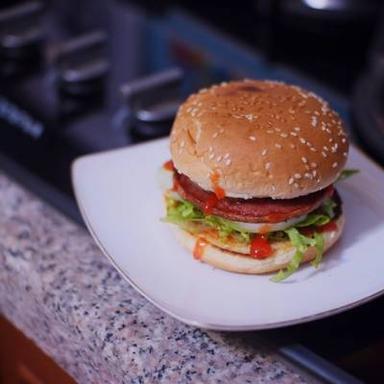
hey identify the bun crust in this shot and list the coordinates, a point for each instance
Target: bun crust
(262, 138)
(283, 252)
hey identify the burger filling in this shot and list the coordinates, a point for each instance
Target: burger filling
(250, 227)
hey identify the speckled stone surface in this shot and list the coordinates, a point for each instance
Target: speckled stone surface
(57, 287)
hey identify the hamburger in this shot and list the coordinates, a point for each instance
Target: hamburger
(250, 186)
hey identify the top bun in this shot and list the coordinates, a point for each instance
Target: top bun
(260, 139)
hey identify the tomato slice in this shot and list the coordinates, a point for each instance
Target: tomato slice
(331, 226)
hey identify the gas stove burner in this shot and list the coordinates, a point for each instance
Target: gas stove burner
(152, 103)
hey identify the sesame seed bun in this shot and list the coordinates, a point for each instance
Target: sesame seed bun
(263, 139)
(234, 262)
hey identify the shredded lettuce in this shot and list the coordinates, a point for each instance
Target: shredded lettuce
(314, 219)
(181, 212)
(319, 244)
(328, 206)
(346, 173)
(178, 212)
(301, 243)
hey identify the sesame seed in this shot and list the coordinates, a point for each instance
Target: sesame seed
(215, 135)
(304, 160)
(343, 140)
(330, 140)
(291, 180)
(324, 154)
(313, 149)
(228, 161)
(325, 148)
(211, 156)
(273, 188)
(293, 133)
(253, 138)
(314, 121)
(283, 135)
(277, 129)
(314, 173)
(250, 117)
(268, 166)
(293, 146)
(345, 154)
(334, 165)
(264, 152)
(297, 176)
(182, 143)
(269, 131)
(313, 165)
(210, 149)
(297, 129)
(218, 158)
(302, 140)
(296, 185)
(277, 145)
(307, 175)
(226, 156)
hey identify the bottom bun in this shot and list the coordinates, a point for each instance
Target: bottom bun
(233, 262)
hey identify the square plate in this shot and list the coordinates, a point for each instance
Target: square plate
(122, 204)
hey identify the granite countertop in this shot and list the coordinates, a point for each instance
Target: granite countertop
(57, 287)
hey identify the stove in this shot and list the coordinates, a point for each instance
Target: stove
(84, 77)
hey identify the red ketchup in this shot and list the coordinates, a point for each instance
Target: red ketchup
(218, 194)
(210, 203)
(199, 248)
(168, 165)
(260, 247)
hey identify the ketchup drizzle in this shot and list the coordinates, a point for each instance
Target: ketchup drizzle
(260, 247)
(199, 248)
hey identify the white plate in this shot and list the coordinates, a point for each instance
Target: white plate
(122, 204)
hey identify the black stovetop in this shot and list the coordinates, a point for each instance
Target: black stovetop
(69, 86)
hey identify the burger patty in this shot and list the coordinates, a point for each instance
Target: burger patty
(257, 210)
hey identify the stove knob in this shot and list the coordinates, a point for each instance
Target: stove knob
(81, 64)
(152, 103)
(21, 31)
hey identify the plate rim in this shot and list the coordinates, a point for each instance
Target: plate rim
(193, 322)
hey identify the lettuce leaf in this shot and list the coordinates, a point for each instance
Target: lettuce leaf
(328, 206)
(346, 173)
(182, 212)
(319, 238)
(314, 219)
(301, 243)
